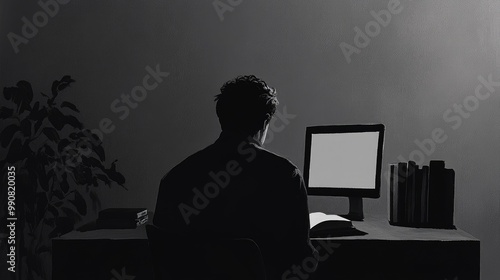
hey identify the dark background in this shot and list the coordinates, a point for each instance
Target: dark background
(427, 59)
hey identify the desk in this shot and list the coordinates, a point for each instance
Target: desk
(391, 252)
(105, 254)
(386, 252)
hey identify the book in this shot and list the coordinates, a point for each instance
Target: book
(393, 193)
(437, 192)
(121, 218)
(122, 213)
(142, 220)
(321, 222)
(121, 223)
(422, 197)
(410, 191)
(402, 179)
(417, 199)
(449, 198)
(424, 212)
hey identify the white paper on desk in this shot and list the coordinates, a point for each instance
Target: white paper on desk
(316, 218)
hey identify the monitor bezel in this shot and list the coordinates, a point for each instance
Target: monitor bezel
(330, 129)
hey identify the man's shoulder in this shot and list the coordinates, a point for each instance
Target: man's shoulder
(188, 164)
(277, 160)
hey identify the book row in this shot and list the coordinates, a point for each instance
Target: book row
(421, 196)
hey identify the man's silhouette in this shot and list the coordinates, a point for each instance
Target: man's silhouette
(236, 188)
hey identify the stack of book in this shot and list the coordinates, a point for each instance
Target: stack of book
(421, 196)
(122, 218)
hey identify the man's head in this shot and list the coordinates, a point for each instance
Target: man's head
(246, 104)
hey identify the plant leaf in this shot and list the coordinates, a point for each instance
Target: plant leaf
(54, 233)
(8, 133)
(51, 133)
(41, 203)
(59, 120)
(53, 89)
(64, 183)
(96, 202)
(53, 210)
(59, 195)
(25, 88)
(21, 95)
(99, 150)
(58, 203)
(65, 224)
(80, 204)
(26, 127)
(38, 113)
(60, 85)
(63, 144)
(24, 96)
(38, 124)
(73, 121)
(65, 82)
(88, 136)
(36, 106)
(116, 176)
(51, 222)
(68, 212)
(69, 105)
(42, 178)
(92, 161)
(49, 151)
(87, 173)
(16, 152)
(6, 113)
(104, 178)
(9, 92)
(56, 118)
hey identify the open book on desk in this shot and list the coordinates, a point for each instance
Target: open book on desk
(322, 225)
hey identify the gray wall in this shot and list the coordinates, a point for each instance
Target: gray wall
(426, 59)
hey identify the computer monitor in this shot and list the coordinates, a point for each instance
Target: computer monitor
(344, 160)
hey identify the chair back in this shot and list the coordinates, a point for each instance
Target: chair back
(184, 257)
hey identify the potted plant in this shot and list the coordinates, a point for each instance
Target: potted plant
(59, 166)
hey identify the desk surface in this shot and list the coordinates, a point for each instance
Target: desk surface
(111, 234)
(377, 227)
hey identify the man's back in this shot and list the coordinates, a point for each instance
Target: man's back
(235, 188)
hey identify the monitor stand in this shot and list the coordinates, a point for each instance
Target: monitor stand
(355, 209)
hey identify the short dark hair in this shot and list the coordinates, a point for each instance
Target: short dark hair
(244, 103)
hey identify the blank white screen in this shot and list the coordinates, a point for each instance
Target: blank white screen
(343, 160)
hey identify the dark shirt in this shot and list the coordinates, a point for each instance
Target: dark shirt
(236, 188)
